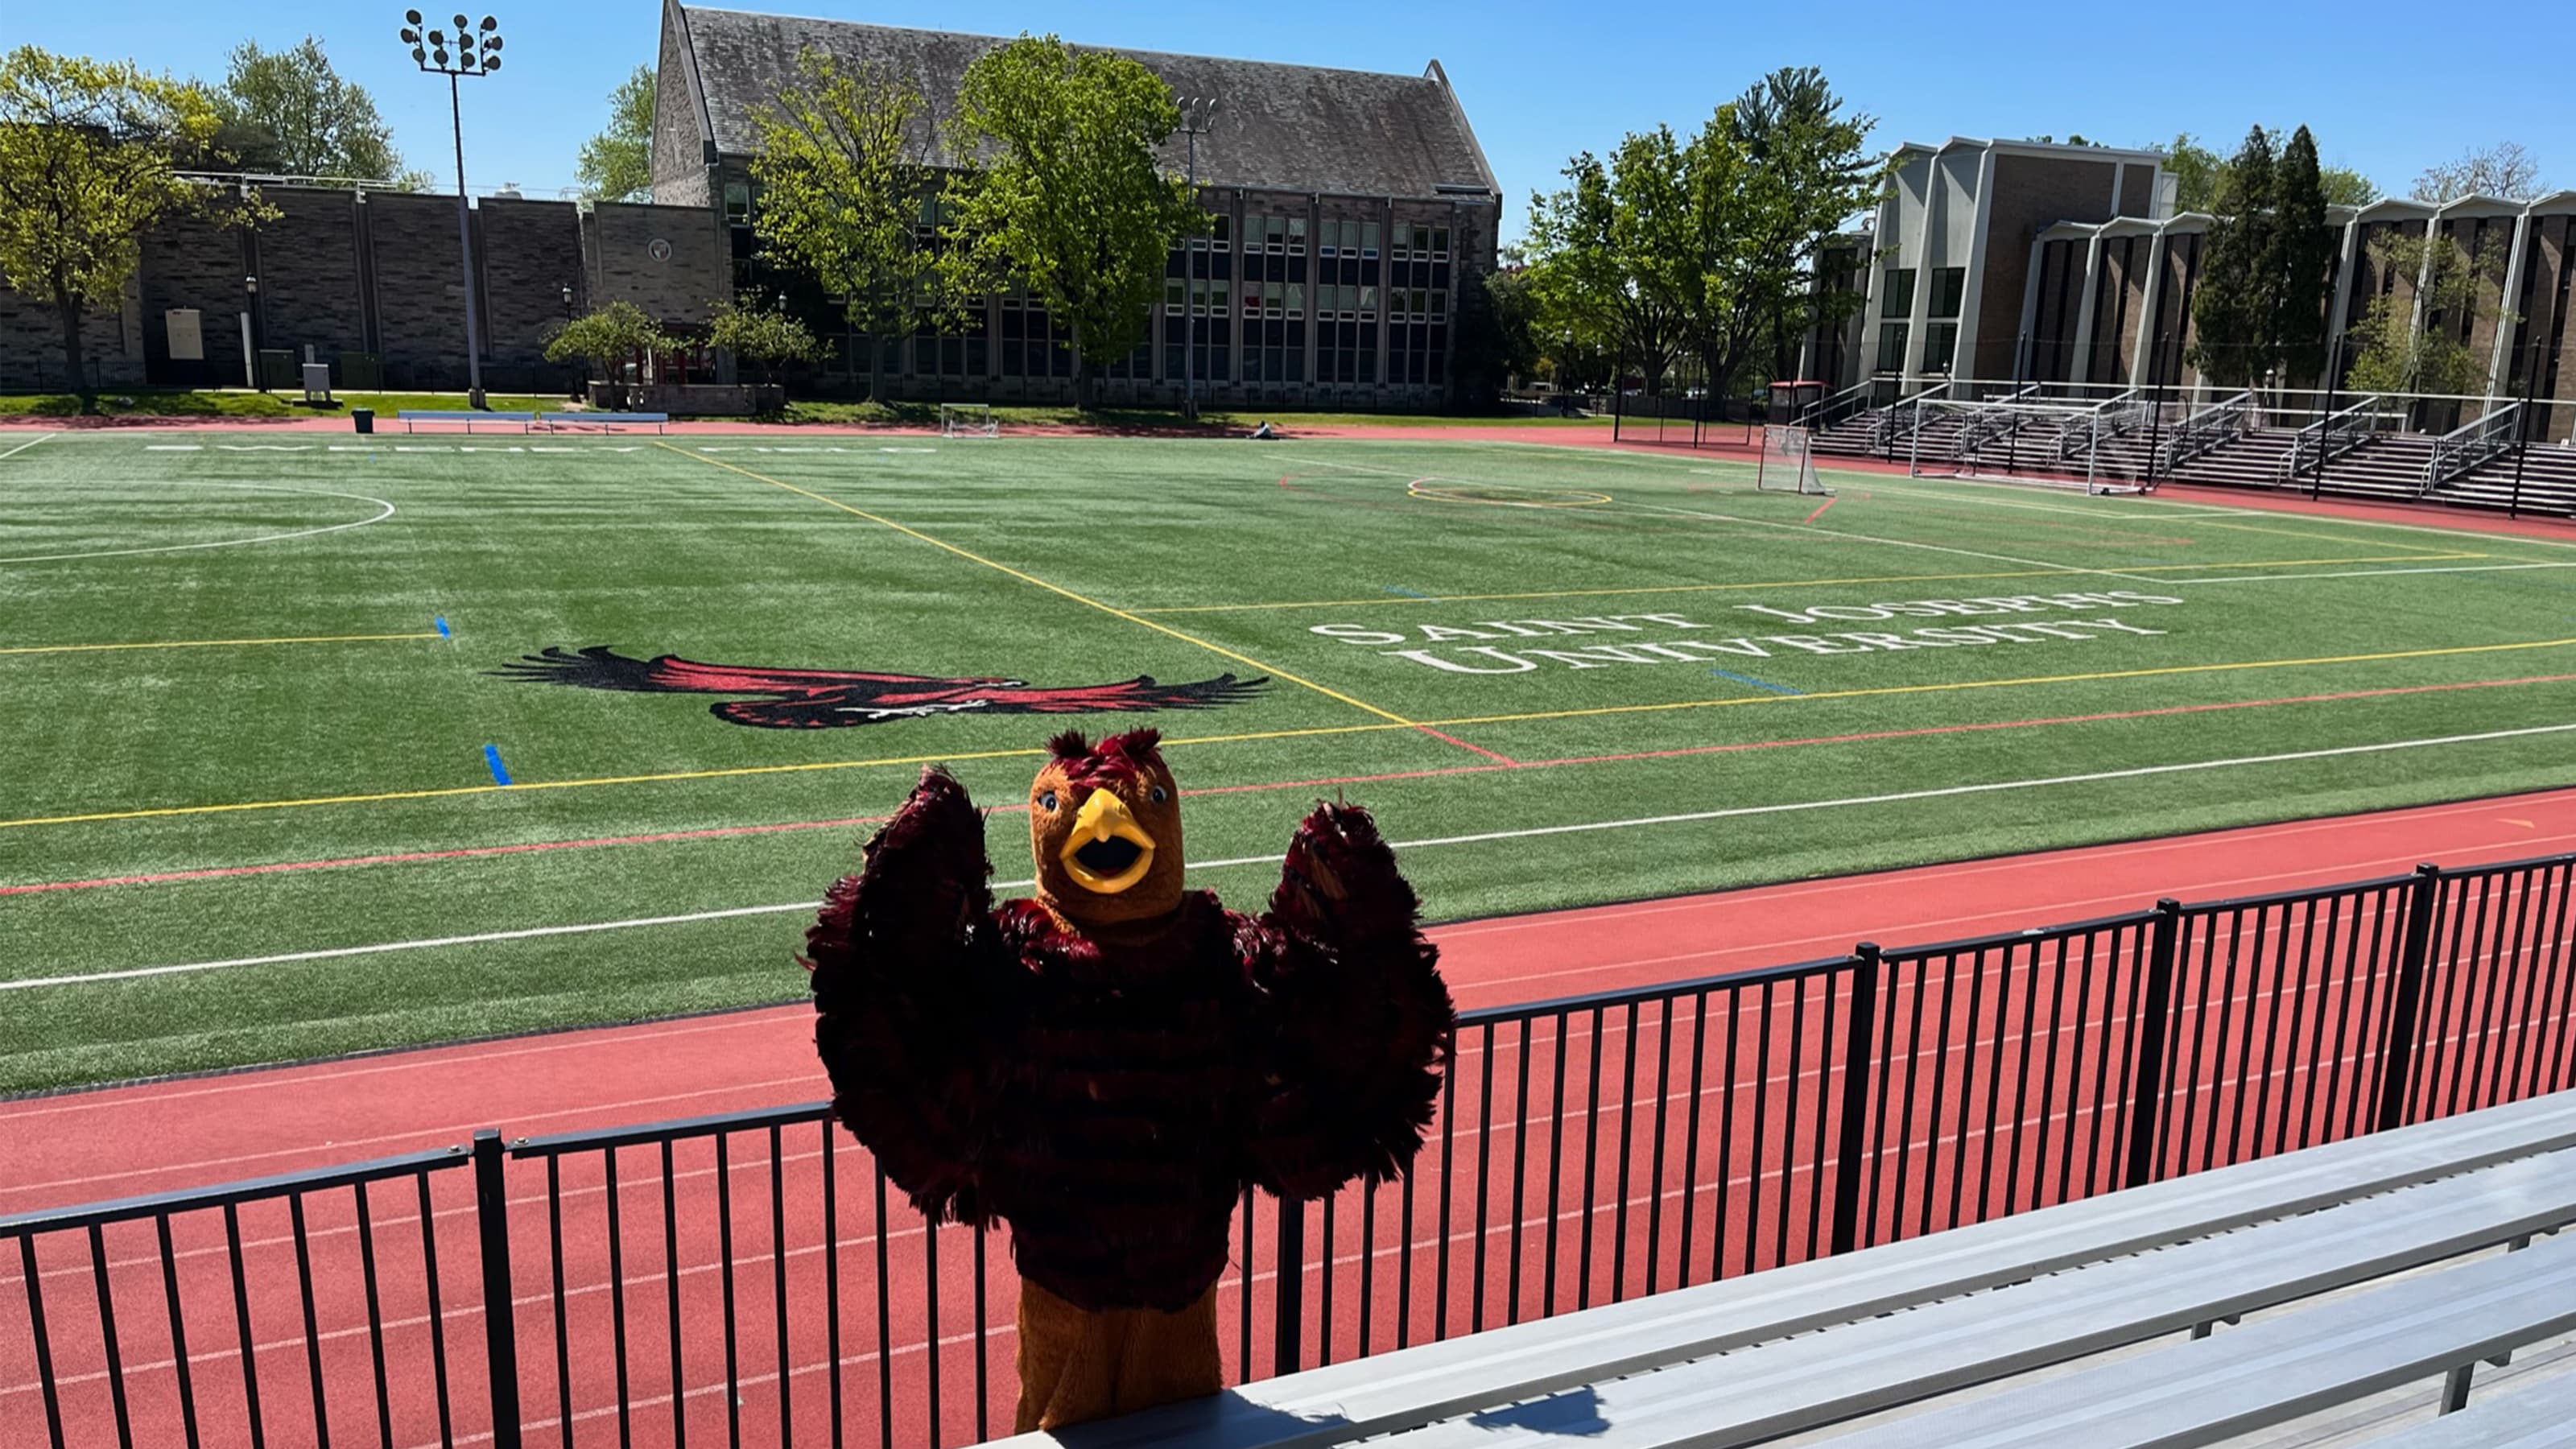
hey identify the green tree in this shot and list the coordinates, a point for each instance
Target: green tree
(2236, 304)
(607, 339)
(844, 172)
(617, 164)
(1589, 246)
(1498, 333)
(1774, 177)
(2345, 186)
(289, 112)
(88, 151)
(2196, 170)
(1063, 193)
(2299, 265)
(764, 336)
(2403, 343)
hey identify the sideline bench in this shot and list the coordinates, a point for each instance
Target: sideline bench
(1414, 1389)
(469, 418)
(552, 421)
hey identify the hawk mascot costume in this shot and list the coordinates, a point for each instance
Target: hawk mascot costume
(1106, 1065)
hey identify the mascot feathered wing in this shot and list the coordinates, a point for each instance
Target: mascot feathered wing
(1106, 1065)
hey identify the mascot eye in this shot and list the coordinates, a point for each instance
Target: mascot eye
(1047, 801)
(1161, 795)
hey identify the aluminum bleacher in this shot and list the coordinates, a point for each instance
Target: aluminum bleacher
(2398, 1257)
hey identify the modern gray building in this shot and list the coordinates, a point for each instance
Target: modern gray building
(1353, 212)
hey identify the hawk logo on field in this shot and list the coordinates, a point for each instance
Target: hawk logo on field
(793, 699)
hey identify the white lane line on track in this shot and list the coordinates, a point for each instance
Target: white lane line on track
(22, 447)
(1584, 827)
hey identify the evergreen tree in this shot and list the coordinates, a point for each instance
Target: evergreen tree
(2235, 304)
(2301, 262)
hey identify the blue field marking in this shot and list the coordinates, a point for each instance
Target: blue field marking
(492, 757)
(441, 622)
(1757, 683)
(1408, 593)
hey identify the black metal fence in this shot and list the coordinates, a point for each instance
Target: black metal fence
(752, 1278)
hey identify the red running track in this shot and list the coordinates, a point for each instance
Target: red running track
(156, 1137)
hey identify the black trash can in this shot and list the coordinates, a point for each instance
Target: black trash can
(365, 418)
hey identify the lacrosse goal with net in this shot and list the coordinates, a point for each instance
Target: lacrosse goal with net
(2099, 447)
(1788, 461)
(968, 420)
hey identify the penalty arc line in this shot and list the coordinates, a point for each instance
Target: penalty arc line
(1083, 599)
(1483, 837)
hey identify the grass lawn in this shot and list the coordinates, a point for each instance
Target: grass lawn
(240, 745)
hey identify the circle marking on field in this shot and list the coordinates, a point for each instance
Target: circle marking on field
(230, 542)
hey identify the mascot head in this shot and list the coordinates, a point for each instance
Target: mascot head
(1105, 823)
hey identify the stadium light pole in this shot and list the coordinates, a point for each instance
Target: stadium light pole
(472, 50)
(1198, 116)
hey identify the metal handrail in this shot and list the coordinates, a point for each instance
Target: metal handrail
(2330, 438)
(2120, 411)
(2219, 423)
(1902, 419)
(1826, 412)
(2468, 445)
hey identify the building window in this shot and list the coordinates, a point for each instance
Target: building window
(1949, 289)
(737, 202)
(1891, 347)
(1940, 345)
(1897, 298)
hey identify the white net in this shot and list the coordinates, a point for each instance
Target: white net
(968, 420)
(1788, 462)
(2105, 447)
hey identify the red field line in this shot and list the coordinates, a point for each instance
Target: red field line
(1502, 762)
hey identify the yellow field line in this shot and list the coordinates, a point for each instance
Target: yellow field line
(211, 643)
(1028, 578)
(1308, 731)
(523, 786)
(2275, 563)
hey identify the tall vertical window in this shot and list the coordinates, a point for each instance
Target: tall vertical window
(1896, 299)
(1949, 289)
(1891, 347)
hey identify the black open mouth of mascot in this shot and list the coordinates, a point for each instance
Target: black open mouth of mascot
(1109, 857)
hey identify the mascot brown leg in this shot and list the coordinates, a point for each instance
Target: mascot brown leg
(1077, 1365)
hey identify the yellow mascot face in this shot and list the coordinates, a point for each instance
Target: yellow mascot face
(1105, 826)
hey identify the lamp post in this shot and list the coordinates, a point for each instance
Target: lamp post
(1198, 117)
(470, 51)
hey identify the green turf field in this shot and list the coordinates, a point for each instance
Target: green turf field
(1570, 675)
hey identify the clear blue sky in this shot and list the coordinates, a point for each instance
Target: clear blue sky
(2388, 88)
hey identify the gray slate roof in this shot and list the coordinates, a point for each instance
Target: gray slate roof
(1289, 127)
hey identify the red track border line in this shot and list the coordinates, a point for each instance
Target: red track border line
(1503, 763)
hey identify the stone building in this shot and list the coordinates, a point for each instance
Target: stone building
(1353, 211)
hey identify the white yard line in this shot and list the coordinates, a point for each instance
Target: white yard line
(1730, 813)
(22, 447)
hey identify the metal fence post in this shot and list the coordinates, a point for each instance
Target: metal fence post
(2155, 1013)
(2406, 999)
(1856, 1078)
(500, 1320)
(1289, 1298)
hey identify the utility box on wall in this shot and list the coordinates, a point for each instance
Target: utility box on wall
(187, 332)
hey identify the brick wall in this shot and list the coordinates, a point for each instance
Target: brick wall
(527, 252)
(31, 343)
(2032, 193)
(681, 286)
(310, 288)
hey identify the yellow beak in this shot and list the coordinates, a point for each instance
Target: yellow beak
(1105, 817)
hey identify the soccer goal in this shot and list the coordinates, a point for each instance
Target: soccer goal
(968, 420)
(2104, 447)
(1788, 462)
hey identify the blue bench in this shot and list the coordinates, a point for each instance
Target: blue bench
(604, 420)
(411, 416)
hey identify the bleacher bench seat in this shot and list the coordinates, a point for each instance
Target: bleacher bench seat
(2535, 1416)
(1815, 1343)
(469, 417)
